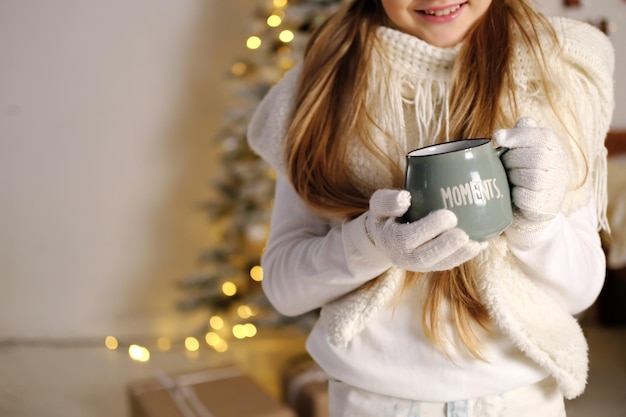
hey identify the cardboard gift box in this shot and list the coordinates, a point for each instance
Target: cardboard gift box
(305, 387)
(222, 392)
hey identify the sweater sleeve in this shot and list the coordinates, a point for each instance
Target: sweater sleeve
(269, 124)
(566, 259)
(310, 261)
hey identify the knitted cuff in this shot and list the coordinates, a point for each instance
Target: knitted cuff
(356, 233)
(525, 233)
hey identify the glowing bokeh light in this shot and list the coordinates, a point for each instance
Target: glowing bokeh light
(216, 322)
(245, 312)
(192, 344)
(256, 273)
(274, 21)
(254, 42)
(286, 36)
(138, 353)
(111, 343)
(229, 289)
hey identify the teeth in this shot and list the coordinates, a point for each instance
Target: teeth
(443, 12)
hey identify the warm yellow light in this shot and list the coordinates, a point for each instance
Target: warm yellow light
(164, 344)
(239, 68)
(251, 329)
(274, 21)
(192, 344)
(239, 331)
(283, 50)
(256, 273)
(212, 339)
(245, 312)
(280, 3)
(254, 310)
(134, 351)
(216, 322)
(286, 36)
(221, 347)
(111, 343)
(254, 42)
(229, 289)
(138, 353)
(286, 63)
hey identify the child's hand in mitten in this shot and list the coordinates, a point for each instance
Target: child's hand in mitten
(433, 243)
(536, 165)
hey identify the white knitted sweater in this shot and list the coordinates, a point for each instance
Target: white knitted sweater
(530, 307)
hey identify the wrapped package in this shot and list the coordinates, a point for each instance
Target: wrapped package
(216, 392)
(305, 387)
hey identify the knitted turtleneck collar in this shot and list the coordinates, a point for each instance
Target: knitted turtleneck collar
(415, 57)
(409, 92)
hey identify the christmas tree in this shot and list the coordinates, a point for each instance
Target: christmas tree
(228, 284)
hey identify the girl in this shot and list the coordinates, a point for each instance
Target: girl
(416, 319)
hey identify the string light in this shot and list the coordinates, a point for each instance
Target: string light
(192, 344)
(280, 3)
(229, 289)
(216, 322)
(254, 310)
(256, 273)
(274, 21)
(138, 353)
(245, 312)
(286, 36)
(221, 347)
(239, 331)
(212, 339)
(254, 42)
(111, 343)
(216, 342)
(251, 329)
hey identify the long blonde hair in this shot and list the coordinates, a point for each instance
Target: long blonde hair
(331, 106)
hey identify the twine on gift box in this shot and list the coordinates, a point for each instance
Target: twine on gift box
(313, 374)
(181, 392)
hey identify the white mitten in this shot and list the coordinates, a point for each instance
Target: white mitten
(433, 243)
(536, 165)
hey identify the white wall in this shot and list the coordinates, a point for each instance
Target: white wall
(107, 109)
(594, 11)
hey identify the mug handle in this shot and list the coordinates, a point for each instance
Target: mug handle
(500, 150)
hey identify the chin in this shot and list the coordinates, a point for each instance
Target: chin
(441, 41)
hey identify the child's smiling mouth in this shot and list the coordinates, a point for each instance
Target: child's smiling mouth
(442, 12)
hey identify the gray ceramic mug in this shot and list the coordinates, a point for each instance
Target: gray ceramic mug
(465, 176)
